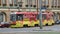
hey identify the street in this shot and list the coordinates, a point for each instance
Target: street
(54, 28)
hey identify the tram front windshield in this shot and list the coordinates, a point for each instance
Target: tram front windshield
(44, 16)
(13, 17)
(16, 17)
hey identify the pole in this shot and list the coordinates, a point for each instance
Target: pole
(40, 14)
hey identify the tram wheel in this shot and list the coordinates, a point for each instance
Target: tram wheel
(47, 24)
(52, 23)
(36, 25)
(25, 25)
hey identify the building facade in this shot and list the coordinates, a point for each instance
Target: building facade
(7, 6)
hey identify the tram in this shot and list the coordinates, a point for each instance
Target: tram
(23, 19)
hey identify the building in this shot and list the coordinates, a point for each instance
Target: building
(7, 6)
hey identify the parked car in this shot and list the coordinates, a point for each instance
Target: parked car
(4, 24)
(57, 22)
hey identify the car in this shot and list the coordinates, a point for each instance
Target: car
(4, 24)
(57, 22)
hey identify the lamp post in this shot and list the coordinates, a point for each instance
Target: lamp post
(19, 3)
(40, 13)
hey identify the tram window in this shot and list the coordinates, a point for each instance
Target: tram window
(44, 16)
(52, 16)
(19, 17)
(38, 17)
(12, 17)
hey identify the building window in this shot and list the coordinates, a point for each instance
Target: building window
(55, 3)
(58, 3)
(15, 2)
(52, 6)
(47, 6)
(44, 6)
(0, 2)
(4, 2)
(34, 3)
(20, 5)
(58, 6)
(34, 6)
(43, 2)
(10, 2)
(47, 3)
(52, 3)
(28, 3)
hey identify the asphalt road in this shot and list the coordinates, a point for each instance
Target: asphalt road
(33, 30)
(33, 33)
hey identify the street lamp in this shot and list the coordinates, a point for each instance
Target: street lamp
(19, 3)
(40, 13)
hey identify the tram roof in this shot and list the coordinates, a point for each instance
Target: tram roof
(26, 12)
(29, 12)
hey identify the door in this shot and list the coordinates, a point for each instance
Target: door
(1, 17)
